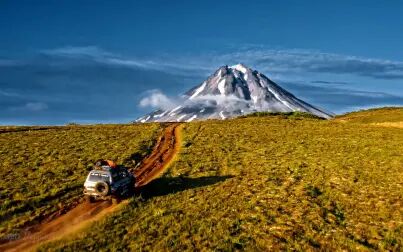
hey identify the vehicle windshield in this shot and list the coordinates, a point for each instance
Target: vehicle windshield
(95, 177)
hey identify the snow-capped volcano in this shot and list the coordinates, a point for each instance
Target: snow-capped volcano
(232, 91)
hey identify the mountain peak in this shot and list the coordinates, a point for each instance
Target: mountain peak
(240, 67)
(232, 91)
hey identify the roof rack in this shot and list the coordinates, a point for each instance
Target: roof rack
(104, 167)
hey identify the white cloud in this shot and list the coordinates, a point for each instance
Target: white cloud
(99, 55)
(36, 106)
(219, 99)
(313, 61)
(8, 63)
(9, 94)
(266, 60)
(29, 107)
(77, 51)
(171, 64)
(157, 100)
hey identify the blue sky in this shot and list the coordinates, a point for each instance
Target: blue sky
(93, 61)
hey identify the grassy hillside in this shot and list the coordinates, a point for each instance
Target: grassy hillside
(268, 183)
(43, 169)
(378, 115)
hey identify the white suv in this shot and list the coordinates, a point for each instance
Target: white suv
(108, 183)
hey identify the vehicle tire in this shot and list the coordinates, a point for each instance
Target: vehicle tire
(132, 187)
(102, 188)
(130, 192)
(88, 199)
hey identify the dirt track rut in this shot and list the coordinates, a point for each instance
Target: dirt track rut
(84, 213)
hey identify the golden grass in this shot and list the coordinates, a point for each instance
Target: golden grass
(43, 169)
(268, 183)
(378, 115)
(390, 124)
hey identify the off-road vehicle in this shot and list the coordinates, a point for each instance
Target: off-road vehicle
(108, 183)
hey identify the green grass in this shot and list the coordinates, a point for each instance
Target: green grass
(43, 168)
(267, 183)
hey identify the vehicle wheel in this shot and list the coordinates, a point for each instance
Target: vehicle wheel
(88, 199)
(115, 200)
(130, 189)
(102, 188)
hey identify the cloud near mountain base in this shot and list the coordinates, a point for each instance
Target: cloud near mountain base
(157, 100)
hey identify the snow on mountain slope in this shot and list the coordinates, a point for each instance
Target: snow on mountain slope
(233, 91)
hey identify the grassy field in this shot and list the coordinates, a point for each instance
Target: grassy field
(268, 183)
(378, 115)
(43, 169)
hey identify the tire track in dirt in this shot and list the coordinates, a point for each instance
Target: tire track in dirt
(85, 213)
(161, 156)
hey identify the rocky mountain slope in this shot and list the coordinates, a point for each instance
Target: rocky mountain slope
(233, 91)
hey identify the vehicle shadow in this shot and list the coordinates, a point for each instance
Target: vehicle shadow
(166, 185)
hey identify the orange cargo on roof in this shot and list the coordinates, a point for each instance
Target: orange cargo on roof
(111, 163)
(103, 162)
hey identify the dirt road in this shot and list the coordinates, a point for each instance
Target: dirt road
(85, 213)
(162, 154)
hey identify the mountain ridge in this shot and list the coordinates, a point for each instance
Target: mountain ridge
(233, 91)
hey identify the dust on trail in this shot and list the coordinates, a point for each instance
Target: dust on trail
(85, 213)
